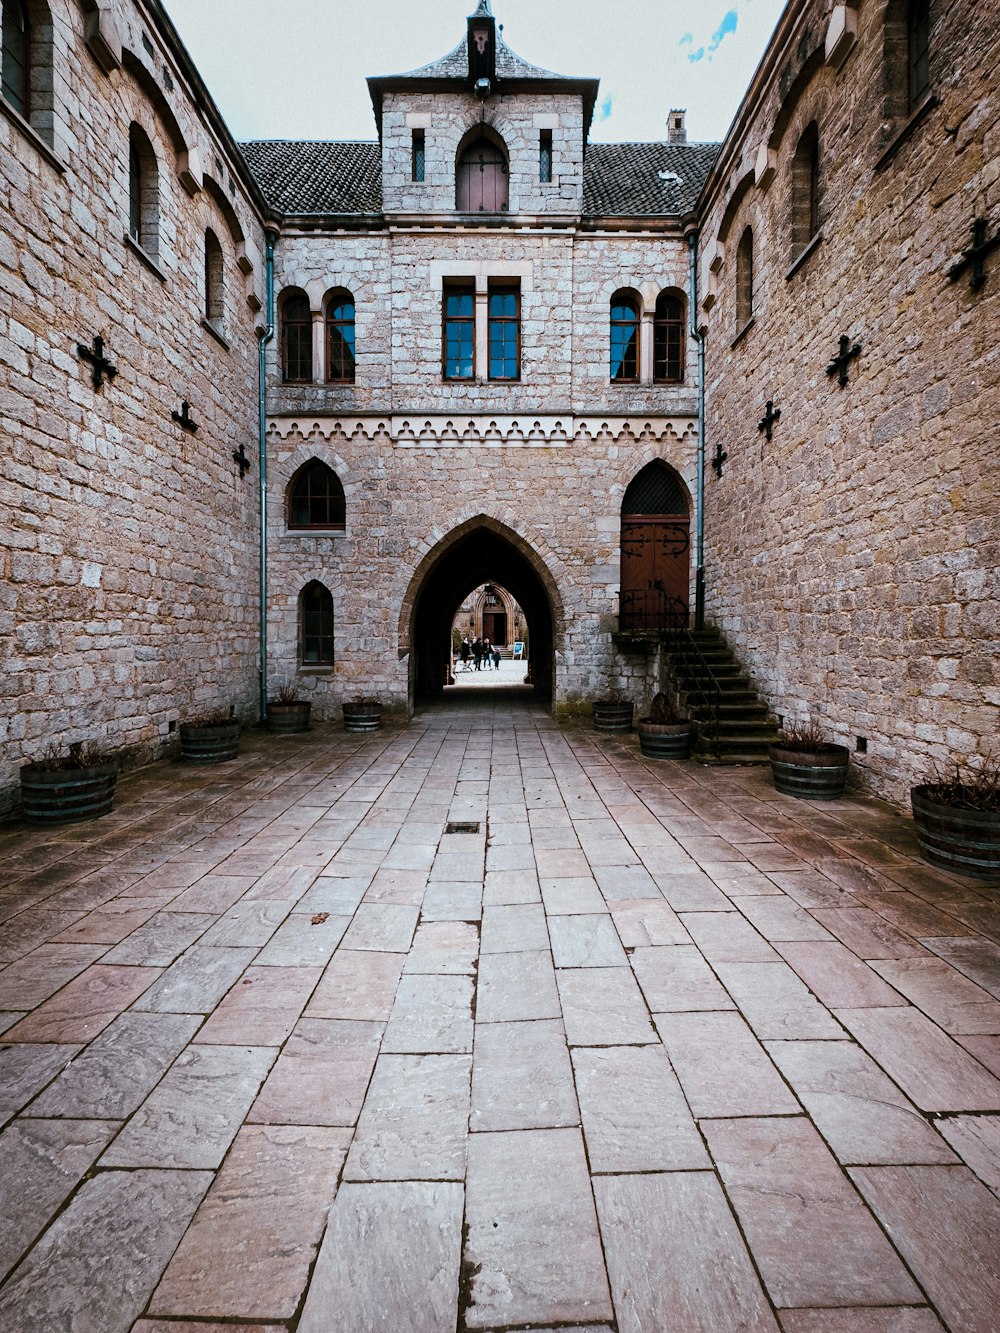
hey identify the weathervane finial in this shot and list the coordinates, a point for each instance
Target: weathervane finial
(483, 10)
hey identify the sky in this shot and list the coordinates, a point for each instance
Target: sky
(296, 69)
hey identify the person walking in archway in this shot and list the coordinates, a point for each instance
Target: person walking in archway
(487, 654)
(477, 653)
(465, 652)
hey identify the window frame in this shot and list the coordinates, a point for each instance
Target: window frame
(918, 51)
(744, 278)
(339, 298)
(215, 291)
(503, 288)
(630, 299)
(546, 157)
(288, 299)
(806, 180)
(449, 289)
(22, 56)
(663, 328)
(324, 635)
(418, 157)
(334, 498)
(143, 193)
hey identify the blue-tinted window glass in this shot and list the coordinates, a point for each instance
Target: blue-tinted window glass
(504, 334)
(459, 334)
(624, 340)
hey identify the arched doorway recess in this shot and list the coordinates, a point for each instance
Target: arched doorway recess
(656, 550)
(480, 551)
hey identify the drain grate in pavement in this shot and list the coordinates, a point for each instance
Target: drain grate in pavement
(462, 826)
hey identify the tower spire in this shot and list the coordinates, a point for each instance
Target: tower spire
(483, 10)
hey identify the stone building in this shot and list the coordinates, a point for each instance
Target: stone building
(481, 339)
(853, 556)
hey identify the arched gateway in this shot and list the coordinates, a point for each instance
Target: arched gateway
(478, 552)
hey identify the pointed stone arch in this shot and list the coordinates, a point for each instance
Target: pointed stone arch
(479, 550)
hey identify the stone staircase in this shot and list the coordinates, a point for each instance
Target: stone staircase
(745, 725)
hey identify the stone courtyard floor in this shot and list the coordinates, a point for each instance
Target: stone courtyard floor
(653, 1048)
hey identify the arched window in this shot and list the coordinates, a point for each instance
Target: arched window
(15, 76)
(214, 296)
(655, 550)
(805, 189)
(669, 341)
(340, 345)
(744, 279)
(143, 192)
(316, 499)
(918, 42)
(624, 338)
(483, 177)
(315, 626)
(296, 339)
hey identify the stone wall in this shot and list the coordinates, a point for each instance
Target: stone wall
(128, 560)
(853, 560)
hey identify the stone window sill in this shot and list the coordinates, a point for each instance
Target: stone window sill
(743, 331)
(219, 337)
(810, 249)
(906, 129)
(315, 532)
(146, 258)
(32, 135)
(325, 670)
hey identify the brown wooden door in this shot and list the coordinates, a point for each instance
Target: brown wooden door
(655, 570)
(495, 627)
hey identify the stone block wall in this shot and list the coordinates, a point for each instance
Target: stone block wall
(128, 555)
(558, 498)
(853, 560)
(447, 121)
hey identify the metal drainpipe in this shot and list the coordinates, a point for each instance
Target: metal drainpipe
(699, 578)
(262, 343)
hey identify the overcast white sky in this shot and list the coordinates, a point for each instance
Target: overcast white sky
(296, 69)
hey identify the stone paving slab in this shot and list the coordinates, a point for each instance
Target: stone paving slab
(41, 1163)
(533, 1242)
(248, 1251)
(390, 1260)
(114, 1074)
(192, 1116)
(103, 1256)
(676, 1258)
(813, 1241)
(696, 1000)
(951, 1248)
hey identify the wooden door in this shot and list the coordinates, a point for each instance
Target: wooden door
(495, 627)
(655, 570)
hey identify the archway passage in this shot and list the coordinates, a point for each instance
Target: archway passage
(479, 555)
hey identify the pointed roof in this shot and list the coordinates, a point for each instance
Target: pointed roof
(513, 73)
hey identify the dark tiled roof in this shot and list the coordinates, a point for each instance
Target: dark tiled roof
(624, 179)
(455, 65)
(317, 177)
(620, 179)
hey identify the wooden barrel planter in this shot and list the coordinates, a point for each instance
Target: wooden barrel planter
(67, 795)
(665, 740)
(610, 716)
(966, 842)
(365, 715)
(285, 719)
(212, 744)
(812, 776)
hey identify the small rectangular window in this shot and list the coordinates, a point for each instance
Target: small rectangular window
(504, 331)
(418, 156)
(459, 332)
(545, 157)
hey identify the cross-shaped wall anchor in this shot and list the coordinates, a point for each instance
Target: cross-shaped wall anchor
(838, 366)
(975, 256)
(184, 418)
(771, 415)
(719, 459)
(101, 365)
(240, 457)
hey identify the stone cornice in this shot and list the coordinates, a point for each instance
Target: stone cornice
(422, 430)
